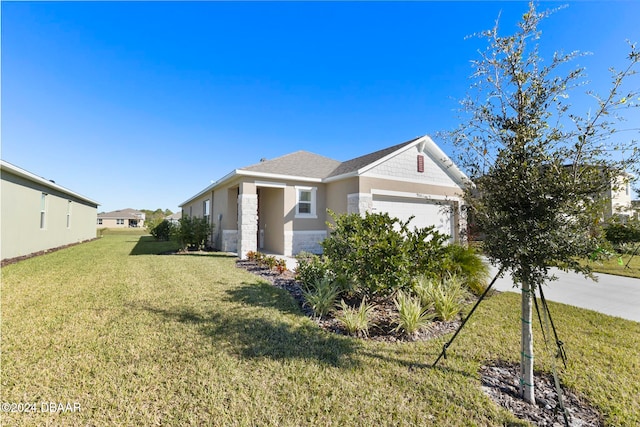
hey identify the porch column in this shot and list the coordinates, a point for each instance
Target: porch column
(247, 219)
(359, 203)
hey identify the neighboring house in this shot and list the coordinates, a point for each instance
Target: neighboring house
(618, 198)
(123, 218)
(280, 205)
(38, 214)
(174, 218)
(635, 209)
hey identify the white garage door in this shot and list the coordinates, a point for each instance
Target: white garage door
(426, 212)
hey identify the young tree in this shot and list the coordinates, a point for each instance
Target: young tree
(539, 165)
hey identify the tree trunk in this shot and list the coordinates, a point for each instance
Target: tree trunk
(526, 355)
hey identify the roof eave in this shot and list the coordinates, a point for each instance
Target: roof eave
(35, 178)
(210, 187)
(285, 177)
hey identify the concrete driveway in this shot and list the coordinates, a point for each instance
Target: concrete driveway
(613, 295)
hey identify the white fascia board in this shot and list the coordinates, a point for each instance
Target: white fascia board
(339, 177)
(15, 170)
(276, 176)
(270, 184)
(210, 187)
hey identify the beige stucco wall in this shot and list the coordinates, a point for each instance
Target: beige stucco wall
(620, 198)
(337, 194)
(20, 218)
(270, 219)
(367, 184)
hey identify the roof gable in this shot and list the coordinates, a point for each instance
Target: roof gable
(354, 165)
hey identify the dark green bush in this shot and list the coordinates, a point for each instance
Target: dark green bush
(622, 233)
(193, 232)
(466, 264)
(162, 230)
(379, 254)
(312, 269)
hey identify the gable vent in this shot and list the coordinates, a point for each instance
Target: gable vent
(420, 163)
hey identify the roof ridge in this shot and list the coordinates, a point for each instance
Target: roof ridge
(284, 156)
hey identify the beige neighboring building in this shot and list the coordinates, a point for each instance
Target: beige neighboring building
(619, 198)
(174, 218)
(280, 206)
(38, 214)
(123, 218)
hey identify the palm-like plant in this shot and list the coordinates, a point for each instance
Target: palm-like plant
(356, 321)
(412, 317)
(321, 297)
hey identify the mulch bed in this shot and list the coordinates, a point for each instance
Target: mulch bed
(499, 379)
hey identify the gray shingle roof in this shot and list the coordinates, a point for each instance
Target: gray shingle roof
(121, 214)
(300, 163)
(362, 161)
(310, 165)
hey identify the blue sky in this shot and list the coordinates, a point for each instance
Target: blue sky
(143, 104)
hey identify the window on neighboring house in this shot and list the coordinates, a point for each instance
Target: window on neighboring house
(99, 221)
(306, 202)
(68, 213)
(190, 211)
(43, 211)
(205, 209)
(119, 221)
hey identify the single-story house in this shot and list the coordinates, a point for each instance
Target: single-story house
(122, 218)
(280, 205)
(174, 218)
(38, 214)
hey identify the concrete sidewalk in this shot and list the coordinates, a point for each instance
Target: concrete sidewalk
(613, 295)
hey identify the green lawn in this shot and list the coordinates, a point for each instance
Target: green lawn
(613, 266)
(142, 339)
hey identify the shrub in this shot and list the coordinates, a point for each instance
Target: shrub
(622, 233)
(281, 266)
(446, 296)
(321, 296)
(465, 263)
(628, 248)
(379, 254)
(451, 300)
(193, 232)
(163, 230)
(312, 268)
(356, 321)
(412, 317)
(269, 261)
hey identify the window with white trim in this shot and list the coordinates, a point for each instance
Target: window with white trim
(68, 213)
(99, 221)
(205, 209)
(119, 221)
(306, 202)
(43, 211)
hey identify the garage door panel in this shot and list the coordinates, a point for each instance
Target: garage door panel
(426, 212)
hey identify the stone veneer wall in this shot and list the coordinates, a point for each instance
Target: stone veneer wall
(247, 224)
(229, 241)
(359, 203)
(307, 241)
